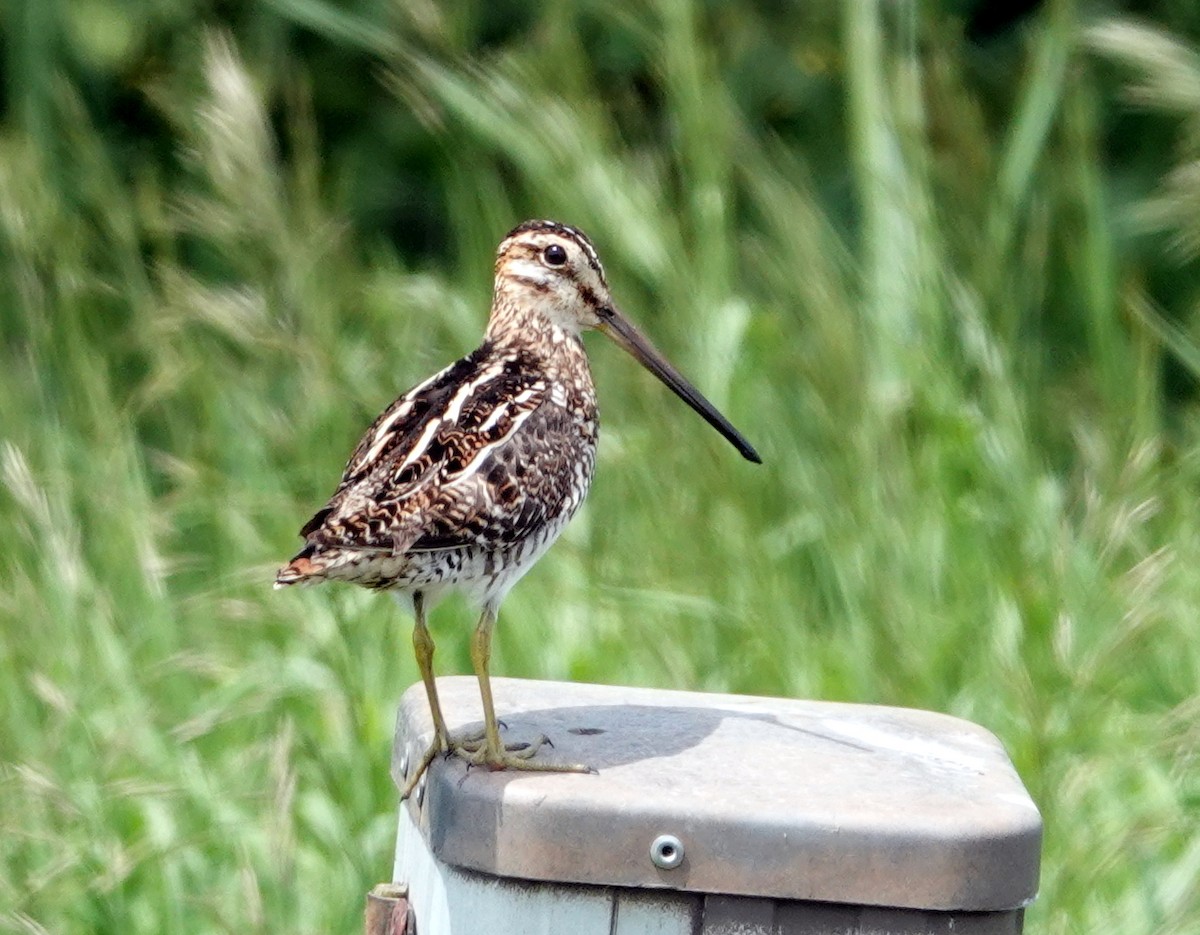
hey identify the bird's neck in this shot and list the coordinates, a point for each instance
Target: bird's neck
(514, 330)
(515, 325)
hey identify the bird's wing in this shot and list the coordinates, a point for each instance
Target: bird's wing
(426, 471)
(538, 473)
(398, 428)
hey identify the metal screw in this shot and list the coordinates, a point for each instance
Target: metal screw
(666, 852)
(404, 764)
(421, 790)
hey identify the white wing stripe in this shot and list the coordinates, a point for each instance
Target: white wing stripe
(422, 443)
(480, 456)
(466, 391)
(496, 414)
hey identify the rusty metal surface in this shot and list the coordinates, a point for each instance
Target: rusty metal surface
(388, 911)
(768, 797)
(450, 901)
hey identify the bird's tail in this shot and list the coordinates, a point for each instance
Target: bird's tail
(300, 570)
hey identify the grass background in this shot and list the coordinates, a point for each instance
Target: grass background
(941, 268)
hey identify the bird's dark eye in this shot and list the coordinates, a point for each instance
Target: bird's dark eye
(555, 254)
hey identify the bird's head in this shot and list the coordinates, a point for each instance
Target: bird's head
(553, 270)
(549, 271)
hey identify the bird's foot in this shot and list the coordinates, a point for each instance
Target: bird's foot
(476, 740)
(475, 750)
(441, 744)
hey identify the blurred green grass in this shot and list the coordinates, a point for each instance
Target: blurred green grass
(932, 279)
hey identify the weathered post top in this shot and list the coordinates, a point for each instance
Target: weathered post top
(704, 808)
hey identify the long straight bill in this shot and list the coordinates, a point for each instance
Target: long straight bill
(620, 329)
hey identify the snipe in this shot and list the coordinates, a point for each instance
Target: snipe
(465, 480)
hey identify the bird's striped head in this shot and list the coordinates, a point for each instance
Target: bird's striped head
(553, 270)
(549, 281)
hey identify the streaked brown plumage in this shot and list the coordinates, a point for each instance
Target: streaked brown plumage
(465, 480)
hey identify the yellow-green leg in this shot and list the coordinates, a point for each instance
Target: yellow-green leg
(492, 753)
(486, 750)
(423, 646)
(481, 657)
